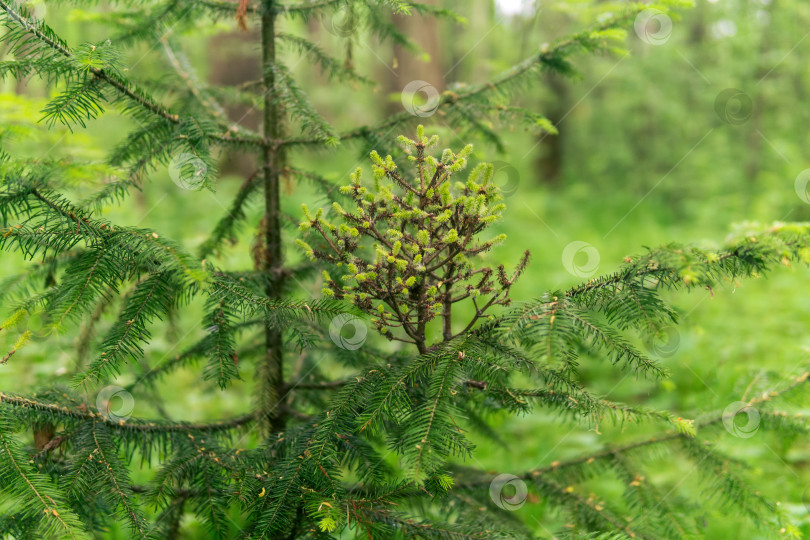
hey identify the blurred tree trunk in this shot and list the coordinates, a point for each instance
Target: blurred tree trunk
(20, 86)
(763, 69)
(469, 44)
(409, 65)
(697, 30)
(233, 61)
(318, 35)
(550, 154)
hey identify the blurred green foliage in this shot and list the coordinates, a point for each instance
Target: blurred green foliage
(642, 158)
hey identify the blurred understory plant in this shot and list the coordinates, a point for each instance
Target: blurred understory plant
(309, 457)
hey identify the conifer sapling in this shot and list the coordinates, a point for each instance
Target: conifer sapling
(408, 248)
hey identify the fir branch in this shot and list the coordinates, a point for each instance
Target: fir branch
(65, 109)
(37, 497)
(331, 67)
(550, 58)
(47, 37)
(116, 477)
(183, 68)
(687, 430)
(226, 227)
(35, 409)
(151, 299)
(248, 302)
(194, 352)
(221, 345)
(286, 94)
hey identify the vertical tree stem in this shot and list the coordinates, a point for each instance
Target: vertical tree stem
(447, 307)
(271, 371)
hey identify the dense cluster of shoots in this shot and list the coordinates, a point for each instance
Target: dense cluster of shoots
(409, 248)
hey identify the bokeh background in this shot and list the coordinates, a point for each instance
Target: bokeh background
(682, 138)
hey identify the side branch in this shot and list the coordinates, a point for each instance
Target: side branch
(666, 437)
(144, 426)
(121, 85)
(550, 57)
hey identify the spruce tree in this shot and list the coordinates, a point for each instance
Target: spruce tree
(383, 452)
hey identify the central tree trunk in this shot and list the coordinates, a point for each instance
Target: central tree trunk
(271, 371)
